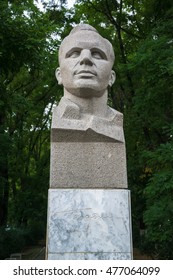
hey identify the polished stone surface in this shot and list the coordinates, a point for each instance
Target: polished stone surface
(95, 224)
(91, 256)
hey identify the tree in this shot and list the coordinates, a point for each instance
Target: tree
(28, 91)
(153, 116)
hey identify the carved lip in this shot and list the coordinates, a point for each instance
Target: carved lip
(86, 72)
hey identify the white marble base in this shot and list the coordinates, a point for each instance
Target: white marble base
(89, 224)
(90, 256)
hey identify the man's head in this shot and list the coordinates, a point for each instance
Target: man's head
(86, 61)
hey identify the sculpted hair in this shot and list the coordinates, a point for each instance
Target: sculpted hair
(83, 27)
(86, 27)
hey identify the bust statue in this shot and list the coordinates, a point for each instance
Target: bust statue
(85, 71)
(88, 208)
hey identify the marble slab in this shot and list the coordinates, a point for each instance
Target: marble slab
(89, 224)
(91, 256)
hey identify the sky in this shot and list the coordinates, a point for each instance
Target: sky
(70, 3)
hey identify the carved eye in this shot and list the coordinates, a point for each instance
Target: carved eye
(74, 54)
(97, 55)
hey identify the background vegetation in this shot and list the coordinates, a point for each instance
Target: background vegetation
(141, 34)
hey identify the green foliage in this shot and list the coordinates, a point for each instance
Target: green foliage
(151, 139)
(16, 239)
(159, 195)
(28, 91)
(11, 241)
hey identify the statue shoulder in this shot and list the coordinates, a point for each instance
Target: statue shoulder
(67, 109)
(115, 116)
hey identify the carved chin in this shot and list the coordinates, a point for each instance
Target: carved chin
(86, 92)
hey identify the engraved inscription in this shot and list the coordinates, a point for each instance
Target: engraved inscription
(85, 214)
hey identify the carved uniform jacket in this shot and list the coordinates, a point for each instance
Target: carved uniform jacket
(67, 115)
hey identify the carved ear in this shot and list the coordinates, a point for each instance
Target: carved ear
(58, 76)
(112, 78)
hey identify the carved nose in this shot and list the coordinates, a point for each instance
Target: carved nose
(86, 58)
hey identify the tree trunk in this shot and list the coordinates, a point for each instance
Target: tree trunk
(4, 193)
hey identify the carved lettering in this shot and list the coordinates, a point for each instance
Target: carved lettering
(83, 214)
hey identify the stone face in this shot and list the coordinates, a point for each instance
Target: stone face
(86, 60)
(89, 224)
